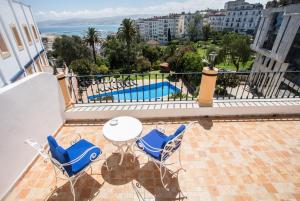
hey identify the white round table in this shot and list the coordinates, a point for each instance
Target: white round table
(122, 132)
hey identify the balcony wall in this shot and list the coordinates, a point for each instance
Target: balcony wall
(30, 108)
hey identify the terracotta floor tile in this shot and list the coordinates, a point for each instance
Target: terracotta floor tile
(225, 159)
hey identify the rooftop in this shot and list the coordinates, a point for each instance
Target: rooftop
(225, 159)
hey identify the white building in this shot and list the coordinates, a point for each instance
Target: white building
(242, 17)
(216, 21)
(158, 28)
(21, 49)
(277, 47)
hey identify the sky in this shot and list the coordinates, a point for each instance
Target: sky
(66, 9)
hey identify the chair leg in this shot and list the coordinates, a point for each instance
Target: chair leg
(72, 189)
(180, 160)
(162, 175)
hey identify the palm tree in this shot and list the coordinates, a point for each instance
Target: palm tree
(128, 33)
(91, 38)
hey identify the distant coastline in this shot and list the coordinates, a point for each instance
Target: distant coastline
(78, 30)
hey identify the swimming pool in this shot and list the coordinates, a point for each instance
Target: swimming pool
(140, 93)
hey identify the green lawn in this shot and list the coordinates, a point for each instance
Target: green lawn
(202, 47)
(230, 66)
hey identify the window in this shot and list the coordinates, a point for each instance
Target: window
(17, 37)
(27, 34)
(3, 48)
(34, 32)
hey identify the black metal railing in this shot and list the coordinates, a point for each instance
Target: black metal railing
(134, 87)
(161, 87)
(251, 85)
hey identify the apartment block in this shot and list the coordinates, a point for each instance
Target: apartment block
(239, 16)
(277, 47)
(21, 49)
(216, 21)
(159, 27)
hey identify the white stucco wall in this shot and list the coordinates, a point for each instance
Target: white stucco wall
(30, 108)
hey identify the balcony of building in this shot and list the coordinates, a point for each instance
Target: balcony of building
(225, 159)
(228, 153)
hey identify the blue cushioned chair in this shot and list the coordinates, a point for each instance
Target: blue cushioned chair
(159, 147)
(71, 162)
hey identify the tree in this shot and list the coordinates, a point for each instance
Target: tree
(191, 62)
(206, 32)
(194, 27)
(176, 61)
(237, 47)
(83, 67)
(91, 38)
(114, 51)
(128, 33)
(151, 53)
(169, 51)
(70, 48)
(143, 64)
(169, 35)
(102, 69)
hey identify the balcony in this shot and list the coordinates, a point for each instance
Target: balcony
(226, 157)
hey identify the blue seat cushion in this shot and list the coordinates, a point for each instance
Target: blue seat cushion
(155, 139)
(76, 150)
(57, 152)
(179, 130)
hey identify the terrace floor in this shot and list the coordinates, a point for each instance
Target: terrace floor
(225, 159)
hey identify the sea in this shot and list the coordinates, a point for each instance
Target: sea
(78, 30)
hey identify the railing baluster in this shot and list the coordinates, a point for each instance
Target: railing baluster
(149, 88)
(98, 93)
(181, 87)
(143, 87)
(246, 82)
(86, 90)
(169, 85)
(162, 88)
(117, 86)
(155, 87)
(175, 87)
(276, 84)
(239, 84)
(92, 86)
(269, 85)
(186, 87)
(111, 89)
(130, 87)
(105, 90)
(123, 81)
(136, 88)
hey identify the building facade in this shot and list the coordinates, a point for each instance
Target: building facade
(277, 47)
(21, 49)
(160, 28)
(238, 16)
(216, 21)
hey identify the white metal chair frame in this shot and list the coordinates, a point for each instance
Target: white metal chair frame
(169, 148)
(59, 168)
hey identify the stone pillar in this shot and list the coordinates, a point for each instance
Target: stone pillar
(207, 87)
(64, 89)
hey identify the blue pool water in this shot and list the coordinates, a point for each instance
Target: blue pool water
(148, 92)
